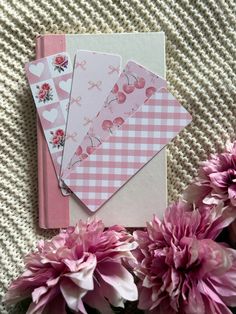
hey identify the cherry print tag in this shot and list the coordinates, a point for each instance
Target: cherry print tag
(134, 86)
(94, 75)
(50, 82)
(122, 155)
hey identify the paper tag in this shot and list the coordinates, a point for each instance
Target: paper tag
(150, 128)
(94, 76)
(50, 82)
(135, 85)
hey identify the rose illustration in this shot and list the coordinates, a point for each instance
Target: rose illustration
(58, 138)
(45, 86)
(60, 63)
(59, 132)
(44, 93)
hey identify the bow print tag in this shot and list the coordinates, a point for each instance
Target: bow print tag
(94, 75)
(50, 82)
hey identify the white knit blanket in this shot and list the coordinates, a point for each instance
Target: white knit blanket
(200, 56)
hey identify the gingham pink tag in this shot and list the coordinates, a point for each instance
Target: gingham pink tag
(135, 85)
(150, 128)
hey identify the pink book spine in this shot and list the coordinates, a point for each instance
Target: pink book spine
(53, 206)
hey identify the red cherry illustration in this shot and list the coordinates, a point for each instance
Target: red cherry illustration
(121, 97)
(90, 149)
(139, 83)
(107, 125)
(79, 151)
(128, 88)
(118, 121)
(115, 89)
(84, 156)
(150, 91)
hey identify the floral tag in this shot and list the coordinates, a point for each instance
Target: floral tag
(50, 81)
(94, 76)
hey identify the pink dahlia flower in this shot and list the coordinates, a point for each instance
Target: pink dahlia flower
(180, 266)
(216, 180)
(81, 265)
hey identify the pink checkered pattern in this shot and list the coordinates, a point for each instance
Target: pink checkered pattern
(158, 121)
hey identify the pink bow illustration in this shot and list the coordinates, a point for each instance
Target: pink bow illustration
(76, 101)
(87, 121)
(113, 69)
(95, 84)
(71, 136)
(81, 65)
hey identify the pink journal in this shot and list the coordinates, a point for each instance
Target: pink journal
(146, 192)
(53, 206)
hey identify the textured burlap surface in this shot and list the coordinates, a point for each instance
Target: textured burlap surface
(200, 54)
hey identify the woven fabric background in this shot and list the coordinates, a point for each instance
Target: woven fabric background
(200, 54)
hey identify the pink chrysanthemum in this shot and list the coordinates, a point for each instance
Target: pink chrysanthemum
(180, 266)
(81, 265)
(216, 179)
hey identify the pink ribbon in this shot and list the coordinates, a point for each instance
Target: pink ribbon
(113, 69)
(87, 121)
(76, 101)
(81, 65)
(71, 136)
(95, 84)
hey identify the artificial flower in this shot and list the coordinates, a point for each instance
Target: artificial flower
(180, 266)
(81, 265)
(216, 179)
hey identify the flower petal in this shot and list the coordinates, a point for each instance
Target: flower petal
(120, 279)
(96, 299)
(232, 194)
(44, 301)
(83, 278)
(195, 304)
(72, 294)
(37, 293)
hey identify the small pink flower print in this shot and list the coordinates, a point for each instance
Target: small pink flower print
(59, 132)
(60, 63)
(45, 86)
(44, 93)
(58, 138)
